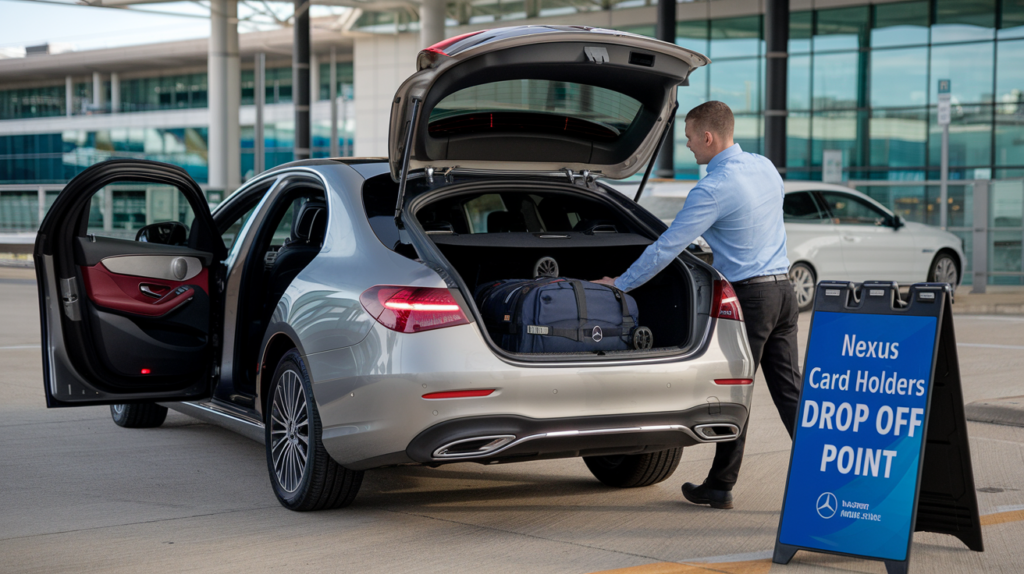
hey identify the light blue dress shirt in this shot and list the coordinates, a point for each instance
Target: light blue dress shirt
(737, 207)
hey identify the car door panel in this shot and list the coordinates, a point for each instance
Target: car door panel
(126, 320)
(872, 247)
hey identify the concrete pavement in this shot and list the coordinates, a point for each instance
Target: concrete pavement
(83, 495)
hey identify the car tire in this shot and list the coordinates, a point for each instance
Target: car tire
(943, 270)
(138, 416)
(804, 283)
(634, 470)
(303, 475)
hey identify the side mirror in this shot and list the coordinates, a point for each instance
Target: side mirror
(897, 221)
(164, 233)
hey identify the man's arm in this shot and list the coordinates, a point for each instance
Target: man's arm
(698, 214)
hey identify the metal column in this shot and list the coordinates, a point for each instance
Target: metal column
(979, 237)
(432, 15)
(666, 32)
(332, 95)
(115, 93)
(97, 92)
(69, 97)
(233, 91)
(776, 35)
(300, 78)
(259, 156)
(217, 106)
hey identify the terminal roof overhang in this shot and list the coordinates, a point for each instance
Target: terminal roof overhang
(145, 58)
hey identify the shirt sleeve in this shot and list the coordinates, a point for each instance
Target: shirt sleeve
(699, 213)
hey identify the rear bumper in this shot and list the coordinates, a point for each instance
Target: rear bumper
(373, 413)
(513, 438)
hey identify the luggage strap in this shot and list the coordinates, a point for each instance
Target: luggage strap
(577, 335)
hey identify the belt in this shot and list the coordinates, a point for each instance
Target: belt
(764, 279)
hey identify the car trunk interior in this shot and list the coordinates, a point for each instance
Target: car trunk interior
(515, 235)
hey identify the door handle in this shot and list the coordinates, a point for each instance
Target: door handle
(850, 238)
(147, 290)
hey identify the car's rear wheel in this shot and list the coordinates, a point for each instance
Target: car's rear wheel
(303, 475)
(139, 416)
(802, 277)
(943, 270)
(634, 470)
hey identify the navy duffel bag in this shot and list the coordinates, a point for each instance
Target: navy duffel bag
(559, 315)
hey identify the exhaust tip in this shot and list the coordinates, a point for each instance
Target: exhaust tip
(474, 447)
(717, 432)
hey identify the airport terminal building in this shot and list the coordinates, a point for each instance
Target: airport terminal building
(862, 79)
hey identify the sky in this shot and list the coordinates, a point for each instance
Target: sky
(26, 23)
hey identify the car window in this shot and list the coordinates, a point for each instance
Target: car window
(851, 210)
(801, 207)
(231, 234)
(121, 209)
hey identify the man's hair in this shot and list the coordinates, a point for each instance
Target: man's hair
(714, 117)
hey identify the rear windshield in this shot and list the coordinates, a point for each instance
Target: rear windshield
(543, 106)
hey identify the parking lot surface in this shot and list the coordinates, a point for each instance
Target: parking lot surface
(83, 495)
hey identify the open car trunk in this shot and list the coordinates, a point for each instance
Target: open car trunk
(517, 233)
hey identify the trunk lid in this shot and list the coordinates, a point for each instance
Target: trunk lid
(538, 99)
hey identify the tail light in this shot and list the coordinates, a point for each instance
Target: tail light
(412, 309)
(725, 304)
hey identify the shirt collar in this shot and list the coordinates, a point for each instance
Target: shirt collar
(723, 155)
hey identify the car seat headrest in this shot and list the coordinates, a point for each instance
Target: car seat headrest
(310, 222)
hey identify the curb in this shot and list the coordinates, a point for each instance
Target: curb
(1007, 411)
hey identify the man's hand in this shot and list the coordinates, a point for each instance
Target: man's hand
(610, 281)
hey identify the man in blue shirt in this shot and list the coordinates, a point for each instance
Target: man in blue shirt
(737, 207)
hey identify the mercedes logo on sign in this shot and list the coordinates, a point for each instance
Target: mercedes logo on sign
(827, 505)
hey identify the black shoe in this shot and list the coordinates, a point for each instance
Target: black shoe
(701, 494)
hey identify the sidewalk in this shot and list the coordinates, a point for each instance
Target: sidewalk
(991, 303)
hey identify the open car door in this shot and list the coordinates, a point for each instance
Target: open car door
(128, 320)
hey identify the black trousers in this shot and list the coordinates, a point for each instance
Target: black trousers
(770, 313)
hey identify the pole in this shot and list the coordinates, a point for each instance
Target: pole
(259, 157)
(665, 30)
(233, 93)
(217, 97)
(944, 179)
(69, 97)
(432, 15)
(776, 35)
(115, 93)
(333, 96)
(300, 78)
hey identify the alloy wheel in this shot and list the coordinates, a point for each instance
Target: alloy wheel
(289, 431)
(945, 271)
(803, 282)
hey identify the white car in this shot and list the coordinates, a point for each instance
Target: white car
(838, 233)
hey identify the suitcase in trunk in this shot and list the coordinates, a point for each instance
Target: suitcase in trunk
(560, 315)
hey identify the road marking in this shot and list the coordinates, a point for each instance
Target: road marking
(987, 346)
(1002, 517)
(16, 347)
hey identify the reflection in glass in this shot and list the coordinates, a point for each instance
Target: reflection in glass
(900, 24)
(798, 138)
(693, 35)
(963, 20)
(970, 137)
(1006, 204)
(837, 80)
(696, 93)
(899, 78)
(1004, 256)
(737, 83)
(798, 76)
(838, 130)
(734, 37)
(841, 29)
(1010, 135)
(1010, 75)
(1012, 24)
(748, 133)
(800, 28)
(968, 67)
(898, 138)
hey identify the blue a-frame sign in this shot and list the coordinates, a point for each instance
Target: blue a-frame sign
(880, 449)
